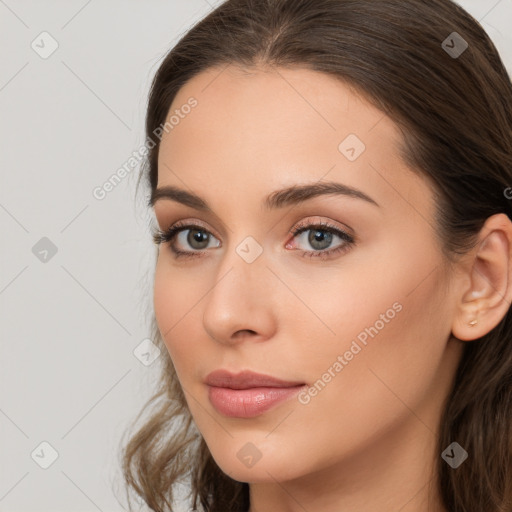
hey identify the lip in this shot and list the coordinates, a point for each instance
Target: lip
(246, 379)
(247, 394)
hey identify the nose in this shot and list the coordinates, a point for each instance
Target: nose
(239, 305)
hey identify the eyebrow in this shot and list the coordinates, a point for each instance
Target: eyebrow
(277, 199)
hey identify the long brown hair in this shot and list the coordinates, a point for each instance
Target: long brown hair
(455, 113)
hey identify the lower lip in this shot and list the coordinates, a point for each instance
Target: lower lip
(247, 403)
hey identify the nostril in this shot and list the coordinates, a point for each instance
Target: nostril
(243, 332)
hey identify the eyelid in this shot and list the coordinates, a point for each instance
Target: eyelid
(317, 220)
(166, 216)
(189, 223)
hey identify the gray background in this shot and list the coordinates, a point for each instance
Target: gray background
(70, 321)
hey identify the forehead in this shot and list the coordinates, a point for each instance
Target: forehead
(256, 130)
(253, 105)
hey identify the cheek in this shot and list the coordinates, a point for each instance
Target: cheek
(176, 293)
(367, 299)
(386, 351)
(165, 299)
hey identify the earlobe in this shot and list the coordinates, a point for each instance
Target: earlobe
(486, 302)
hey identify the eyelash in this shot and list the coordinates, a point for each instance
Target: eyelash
(160, 237)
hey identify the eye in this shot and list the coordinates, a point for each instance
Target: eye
(320, 237)
(191, 235)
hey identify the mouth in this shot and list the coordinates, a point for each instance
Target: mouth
(248, 394)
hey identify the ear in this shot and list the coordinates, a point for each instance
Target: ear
(488, 296)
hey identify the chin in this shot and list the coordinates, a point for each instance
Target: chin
(243, 464)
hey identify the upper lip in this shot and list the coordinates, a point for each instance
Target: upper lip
(246, 380)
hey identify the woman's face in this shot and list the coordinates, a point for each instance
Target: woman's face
(361, 319)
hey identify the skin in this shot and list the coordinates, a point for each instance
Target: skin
(366, 441)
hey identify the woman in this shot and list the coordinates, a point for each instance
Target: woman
(330, 180)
